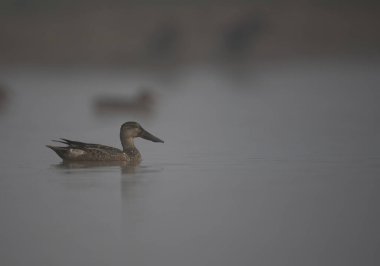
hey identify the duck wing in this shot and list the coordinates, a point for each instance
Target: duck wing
(83, 145)
(81, 151)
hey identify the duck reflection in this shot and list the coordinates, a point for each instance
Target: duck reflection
(87, 175)
(126, 167)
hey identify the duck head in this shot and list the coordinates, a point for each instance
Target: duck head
(131, 130)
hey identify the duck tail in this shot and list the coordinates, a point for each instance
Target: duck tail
(60, 151)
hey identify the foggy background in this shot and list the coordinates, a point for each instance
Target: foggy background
(269, 111)
(139, 33)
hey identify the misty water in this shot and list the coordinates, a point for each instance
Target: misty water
(270, 165)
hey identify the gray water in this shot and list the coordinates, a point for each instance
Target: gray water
(270, 165)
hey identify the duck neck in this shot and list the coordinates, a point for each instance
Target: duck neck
(130, 150)
(127, 143)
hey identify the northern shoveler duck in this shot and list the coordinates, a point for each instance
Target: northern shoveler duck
(142, 103)
(80, 151)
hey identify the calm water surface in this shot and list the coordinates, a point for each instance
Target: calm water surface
(271, 166)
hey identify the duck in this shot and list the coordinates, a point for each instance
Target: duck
(81, 151)
(142, 103)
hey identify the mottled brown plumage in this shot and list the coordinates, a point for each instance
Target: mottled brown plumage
(81, 151)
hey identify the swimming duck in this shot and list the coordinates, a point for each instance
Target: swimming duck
(80, 151)
(142, 103)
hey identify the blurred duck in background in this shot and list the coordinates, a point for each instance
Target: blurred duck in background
(142, 103)
(240, 38)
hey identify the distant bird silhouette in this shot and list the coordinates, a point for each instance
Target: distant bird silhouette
(241, 36)
(163, 43)
(141, 103)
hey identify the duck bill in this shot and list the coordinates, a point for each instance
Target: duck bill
(146, 135)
